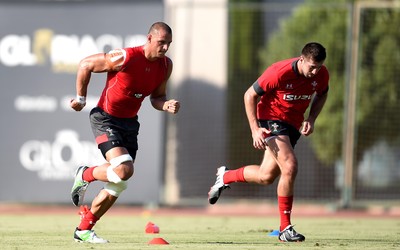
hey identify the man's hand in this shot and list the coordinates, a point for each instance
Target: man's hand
(77, 104)
(259, 136)
(172, 106)
(307, 128)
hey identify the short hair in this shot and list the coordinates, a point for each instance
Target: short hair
(160, 25)
(315, 51)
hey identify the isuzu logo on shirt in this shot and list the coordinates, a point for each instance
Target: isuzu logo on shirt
(296, 97)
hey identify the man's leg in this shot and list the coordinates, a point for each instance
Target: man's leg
(285, 157)
(100, 205)
(115, 173)
(263, 175)
(122, 171)
(83, 177)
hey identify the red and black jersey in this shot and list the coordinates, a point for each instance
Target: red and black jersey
(126, 89)
(285, 94)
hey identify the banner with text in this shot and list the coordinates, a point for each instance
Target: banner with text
(43, 139)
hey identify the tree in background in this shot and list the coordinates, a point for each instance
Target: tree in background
(379, 91)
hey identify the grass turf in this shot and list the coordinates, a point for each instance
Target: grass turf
(186, 232)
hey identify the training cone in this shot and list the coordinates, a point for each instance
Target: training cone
(152, 228)
(158, 241)
(274, 233)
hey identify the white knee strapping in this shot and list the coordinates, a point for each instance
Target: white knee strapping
(115, 162)
(112, 176)
(115, 189)
(116, 185)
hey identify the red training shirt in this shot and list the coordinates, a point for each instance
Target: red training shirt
(285, 94)
(126, 89)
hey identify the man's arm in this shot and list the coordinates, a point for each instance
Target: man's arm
(250, 104)
(158, 98)
(315, 109)
(96, 63)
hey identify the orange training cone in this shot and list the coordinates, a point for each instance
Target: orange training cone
(152, 228)
(158, 241)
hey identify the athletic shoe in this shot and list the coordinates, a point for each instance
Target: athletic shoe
(219, 186)
(88, 236)
(290, 235)
(80, 186)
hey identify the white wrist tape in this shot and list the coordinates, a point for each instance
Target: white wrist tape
(81, 99)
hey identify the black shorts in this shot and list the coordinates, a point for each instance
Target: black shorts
(111, 132)
(281, 128)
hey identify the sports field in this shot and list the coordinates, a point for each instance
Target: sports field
(190, 231)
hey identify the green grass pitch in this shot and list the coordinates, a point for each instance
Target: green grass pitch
(202, 232)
